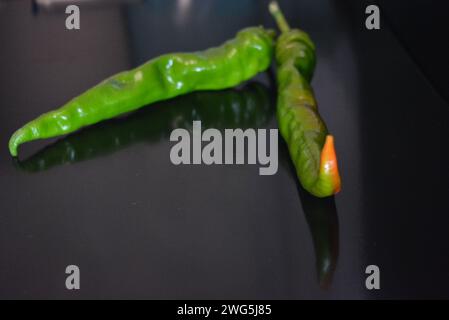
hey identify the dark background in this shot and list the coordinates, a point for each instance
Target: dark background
(140, 227)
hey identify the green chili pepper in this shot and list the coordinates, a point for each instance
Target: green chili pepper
(247, 107)
(164, 77)
(311, 147)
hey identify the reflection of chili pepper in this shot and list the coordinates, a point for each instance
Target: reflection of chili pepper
(311, 147)
(161, 78)
(321, 215)
(233, 108)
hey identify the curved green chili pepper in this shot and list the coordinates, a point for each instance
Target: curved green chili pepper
(247, 107)
(161, 78)
(311, 147)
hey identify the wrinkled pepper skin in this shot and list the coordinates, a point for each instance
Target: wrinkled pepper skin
(246, 107)
(311, 147)
(164, 77)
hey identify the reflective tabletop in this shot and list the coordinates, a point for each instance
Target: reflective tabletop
(109, 200)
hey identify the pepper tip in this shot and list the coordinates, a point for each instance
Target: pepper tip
(329, 164)
(14, 142)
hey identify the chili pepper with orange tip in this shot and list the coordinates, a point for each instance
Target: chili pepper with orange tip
(310, 145)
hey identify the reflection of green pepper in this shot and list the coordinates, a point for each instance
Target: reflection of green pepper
(321, 215)
(161, 78)
(311, 147)
(322, 218)
(242, 108)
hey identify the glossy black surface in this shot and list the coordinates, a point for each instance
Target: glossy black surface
(109, 200)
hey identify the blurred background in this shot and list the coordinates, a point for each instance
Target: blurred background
(109, 200)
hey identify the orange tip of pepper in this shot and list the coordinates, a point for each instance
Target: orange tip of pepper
(329, 165)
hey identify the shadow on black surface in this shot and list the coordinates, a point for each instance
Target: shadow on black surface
(322, 218)
(234, 108)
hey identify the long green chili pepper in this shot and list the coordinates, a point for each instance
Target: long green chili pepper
(311, 147)
(164, 77)
(246, 107)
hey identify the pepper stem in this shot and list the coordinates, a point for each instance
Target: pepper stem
(278, 16)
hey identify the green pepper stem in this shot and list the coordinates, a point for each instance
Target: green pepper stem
(278, 16)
